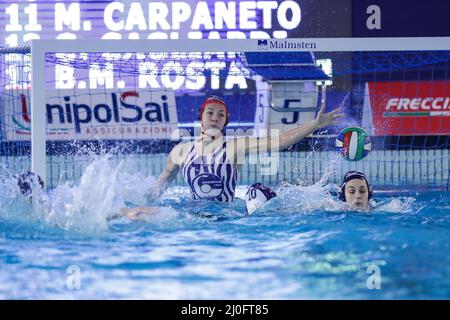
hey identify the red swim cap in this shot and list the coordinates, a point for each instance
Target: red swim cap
(211, 100)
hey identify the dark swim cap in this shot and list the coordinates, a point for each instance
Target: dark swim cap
(350, 175)
(26, 180)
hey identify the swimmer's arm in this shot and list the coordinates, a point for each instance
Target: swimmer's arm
(290, 137)
(293, 136)
(139, 213)
(169, 173)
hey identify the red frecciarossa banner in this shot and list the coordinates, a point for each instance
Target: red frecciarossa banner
(410, 108)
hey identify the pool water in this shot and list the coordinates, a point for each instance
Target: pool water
(302, 245)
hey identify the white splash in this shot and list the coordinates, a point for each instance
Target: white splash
(104, 188)
(396, 205)
(307, 199)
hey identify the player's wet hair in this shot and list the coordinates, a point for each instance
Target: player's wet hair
(26, 181)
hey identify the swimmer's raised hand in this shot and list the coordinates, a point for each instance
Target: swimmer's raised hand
(325, 119)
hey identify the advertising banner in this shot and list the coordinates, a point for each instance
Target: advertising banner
(93, 115)
(410, 108)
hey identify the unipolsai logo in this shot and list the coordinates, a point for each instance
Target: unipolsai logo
(263, 44)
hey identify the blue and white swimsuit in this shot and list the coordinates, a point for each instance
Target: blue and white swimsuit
(211, 176)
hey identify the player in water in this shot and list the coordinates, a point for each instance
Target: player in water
(355, 191)
(27, 182)
(209, 164)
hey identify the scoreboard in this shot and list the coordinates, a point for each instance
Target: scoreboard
(22, 21)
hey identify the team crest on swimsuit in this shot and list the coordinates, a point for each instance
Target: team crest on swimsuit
(207, 186)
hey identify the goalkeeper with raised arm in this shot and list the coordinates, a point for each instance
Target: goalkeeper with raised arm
(209, 164)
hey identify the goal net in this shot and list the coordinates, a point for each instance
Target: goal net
(63, 102)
